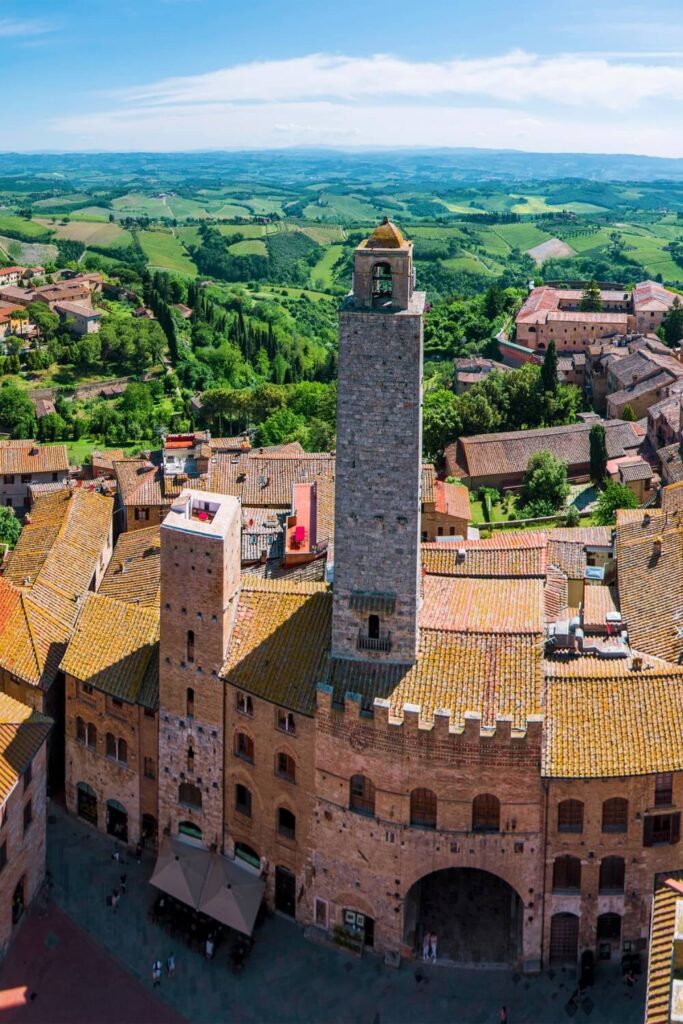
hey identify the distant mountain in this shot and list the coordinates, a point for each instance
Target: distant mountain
(445, 166)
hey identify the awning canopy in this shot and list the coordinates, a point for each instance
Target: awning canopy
(227, 890)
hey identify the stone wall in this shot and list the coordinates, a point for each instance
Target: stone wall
(378, 468)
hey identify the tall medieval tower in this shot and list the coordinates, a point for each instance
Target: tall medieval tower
(379, 455)
(200, 578)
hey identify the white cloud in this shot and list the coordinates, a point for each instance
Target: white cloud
(16, 27)
(569, 79)
(579, 102)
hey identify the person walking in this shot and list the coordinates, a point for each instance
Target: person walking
(209, 948)
(426, 946)
(503, 1013)
(170, 965)
(629, 980)
(432, 943)
(123, 879)
(156, 974)
(114, 899)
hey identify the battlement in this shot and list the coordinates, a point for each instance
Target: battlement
(412, 724)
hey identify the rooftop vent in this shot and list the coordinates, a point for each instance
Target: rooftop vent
(637, 663)
(462, 555)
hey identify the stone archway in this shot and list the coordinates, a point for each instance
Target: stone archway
(477, 916)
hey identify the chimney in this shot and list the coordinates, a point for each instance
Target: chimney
(636, 663)
(657, 547)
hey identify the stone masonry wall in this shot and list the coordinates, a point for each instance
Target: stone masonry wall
(379, 451)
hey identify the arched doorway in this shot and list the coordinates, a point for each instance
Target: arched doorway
(476, 916)
(382, 283)
(149, 831)
(117, 820)
(564, 938)
(86, 803)
(285, 891)
(608, 934)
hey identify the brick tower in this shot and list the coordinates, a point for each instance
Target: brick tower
(200, 577)
(379, 455)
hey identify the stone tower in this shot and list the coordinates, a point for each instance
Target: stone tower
(200, 578)
(379, 455)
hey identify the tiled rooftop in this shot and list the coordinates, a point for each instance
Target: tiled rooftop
(134, 572)
(22, 732)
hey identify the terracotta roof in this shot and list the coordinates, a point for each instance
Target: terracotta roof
(134, 572)
(428, 481)
(230, 444)
(386, 236)
(650, 295)
(6, 271)
(452, 500)
(139, 482)
(22, 733)
(567, 547)
(651, 582)
(640, 470)
(509, 453)
(621, 319)
(607, 718)
(477, 605)
(31, 457)
(660, 957)
(672, 497)
(112, 646)
(77, 309)
(279, 640)
(556, 595)
(598, 601)
(506, 554)
(671, 460)
(54, 561)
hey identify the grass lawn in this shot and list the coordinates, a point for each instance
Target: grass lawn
(247, 230)
(230, 210)
(165, 251)
(322, 272)
(249, 247)
(94, 233)
(521, 236)
(29, 228)
(79, 450)
(139, 205)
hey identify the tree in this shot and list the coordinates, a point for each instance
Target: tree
(10, 527)
(591, 300)
(573, 516)
(17, 412)
(672, 324)
(549, 377)
(440, 421)
(545, 481)
(597, 440)
(613, 497)
(628, 414)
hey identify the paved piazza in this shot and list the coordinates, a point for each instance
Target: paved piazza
(100, 971)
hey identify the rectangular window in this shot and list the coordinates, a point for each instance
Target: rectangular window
(286, 722)
(87, 689)
(150, 768)
(26, 478)
(664, 789)
(661, 829)
(141, 514)
(320, 912)
(8, 478)
(28, 815)
(149, 713)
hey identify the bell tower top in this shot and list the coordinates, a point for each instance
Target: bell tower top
(383, 276)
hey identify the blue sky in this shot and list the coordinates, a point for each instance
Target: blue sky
(597, 76)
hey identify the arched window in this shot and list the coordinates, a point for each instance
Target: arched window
(248, 854)
(285, 767)
(80, 730)
(244, 747)
(190, 645)
(189, 795)
(570, 816)
(190, 758)
(423, 808)
(362, 795)
(286, 823)
(486, 813)
(612, 871)
(91, 736)
(244, 704)
(188, 828)
(243, 799)
(615, 815)
(111, 745)
(382, 285)
(189, 702)
(373, 627)
(567, 874)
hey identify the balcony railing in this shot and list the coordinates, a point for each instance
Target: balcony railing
(373, 643)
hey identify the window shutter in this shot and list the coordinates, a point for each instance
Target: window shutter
(648, 824)
(675, 827)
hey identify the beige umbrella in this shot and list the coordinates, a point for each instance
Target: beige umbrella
(181, 870)
(232, 894)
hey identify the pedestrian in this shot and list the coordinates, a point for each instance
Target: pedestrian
(123, 879)
(116, 855)
(209, 948)
(426, 946)
(433, 947)
(503, 1015)
(630, 980)
(170, 965)
(156, 974)
(114, 899)
(138, 851)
